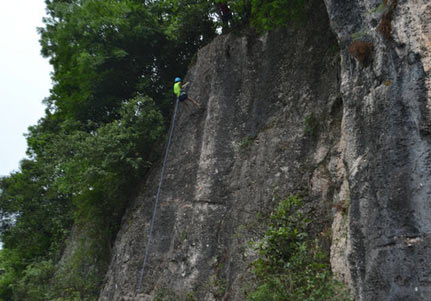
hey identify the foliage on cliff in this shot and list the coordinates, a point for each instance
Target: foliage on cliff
(113, 62)
(291, 265)
(265, 15)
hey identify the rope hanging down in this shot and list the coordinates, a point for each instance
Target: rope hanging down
(141, 279)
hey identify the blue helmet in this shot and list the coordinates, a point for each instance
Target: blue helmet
(177, 79)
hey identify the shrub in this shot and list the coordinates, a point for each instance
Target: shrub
(36, 282)
(291, 266)
(270, 14)
(265, 15)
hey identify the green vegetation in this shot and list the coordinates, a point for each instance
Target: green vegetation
(106, 117)
(359, 35)
(166, 294)
(379, 9)
(90, 176)
(35, 283)
(265, 15)
(270, 14)
(291, 265)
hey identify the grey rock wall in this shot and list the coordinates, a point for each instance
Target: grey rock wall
(386, 149)
(270, 127)
(363, 168)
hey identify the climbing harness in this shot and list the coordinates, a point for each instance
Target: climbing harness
(141, 279)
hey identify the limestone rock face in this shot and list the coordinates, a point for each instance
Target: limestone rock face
(386, 137)
(342, 120)
(269, 127)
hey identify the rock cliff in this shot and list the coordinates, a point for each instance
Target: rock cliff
(337, 112)
(386, 146)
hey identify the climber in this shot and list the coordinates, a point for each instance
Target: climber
(225, 13)
(182, 95)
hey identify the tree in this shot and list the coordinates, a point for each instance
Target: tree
(107, 51)
(101, 51)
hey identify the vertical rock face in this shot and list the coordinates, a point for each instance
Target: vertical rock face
(386, 138)
(270, 127)
(280, 118)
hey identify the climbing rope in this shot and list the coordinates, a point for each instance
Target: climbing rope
(141, 279)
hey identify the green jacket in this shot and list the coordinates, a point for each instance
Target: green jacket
(177, 89)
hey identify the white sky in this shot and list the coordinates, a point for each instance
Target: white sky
(24, 77)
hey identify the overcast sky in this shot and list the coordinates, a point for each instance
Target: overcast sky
(24, 77)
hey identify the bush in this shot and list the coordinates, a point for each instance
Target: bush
(35, 284)
(276, 13)
(79, 277)
(265, 15)
(291, 266)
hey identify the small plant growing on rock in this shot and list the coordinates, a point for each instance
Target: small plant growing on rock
(362, 51)
(342, 206)
(291, 265)
(358, 35)
(379, 9)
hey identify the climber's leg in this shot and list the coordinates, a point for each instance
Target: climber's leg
(194, 102)
(187, 106)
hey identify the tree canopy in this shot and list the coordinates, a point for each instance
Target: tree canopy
(106, 51)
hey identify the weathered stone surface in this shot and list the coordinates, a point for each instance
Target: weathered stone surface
(270, 127)
(387, 148)
(364, 170)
